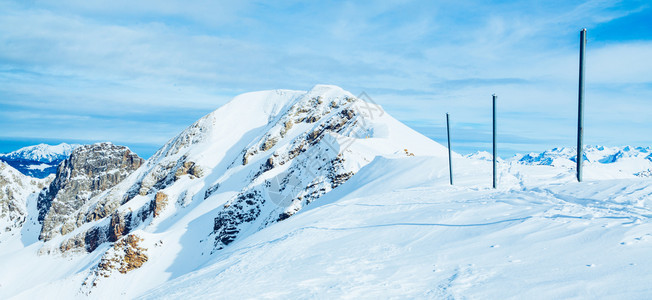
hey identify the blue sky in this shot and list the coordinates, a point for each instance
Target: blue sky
(139, 72)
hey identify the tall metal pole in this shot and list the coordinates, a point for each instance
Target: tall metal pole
(580, 107)
(494, 141)
(450, 160)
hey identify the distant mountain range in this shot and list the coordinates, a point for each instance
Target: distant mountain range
(39, 160)
(592, 154)
(624, 161)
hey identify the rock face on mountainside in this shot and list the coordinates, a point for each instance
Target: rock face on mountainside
(126, 255)
(15, 188)
(90, 170)
(306, 163)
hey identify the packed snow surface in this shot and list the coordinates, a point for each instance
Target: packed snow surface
(398, 230)
(394, 229)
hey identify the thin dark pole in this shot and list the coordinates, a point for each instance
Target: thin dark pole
(494, 141)
(580, 107)
(450, 160)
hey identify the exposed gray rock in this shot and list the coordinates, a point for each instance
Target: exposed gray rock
(90, 170)
(119, 223)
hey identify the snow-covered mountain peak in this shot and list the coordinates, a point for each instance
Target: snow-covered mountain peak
(263, 156)
(480, 155)
(247, 111)
(327, 91)
(40, 160)
(228, 123)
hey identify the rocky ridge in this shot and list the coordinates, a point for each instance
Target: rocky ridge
(302, 156)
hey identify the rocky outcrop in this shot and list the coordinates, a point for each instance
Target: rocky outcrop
(159, 203)
(245, 208)
(188, 168)
(90, 170)
(163, 175)
(126, 255)
(113, 227)
(117, 227)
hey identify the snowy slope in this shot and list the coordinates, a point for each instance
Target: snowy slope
(319, 194)
(398, 230)
(16, 190)
(39, 160)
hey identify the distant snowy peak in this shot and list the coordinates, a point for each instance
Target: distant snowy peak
(556, 156)
(616, 154)
(38, 161)
(43, 153)
(480, 155)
